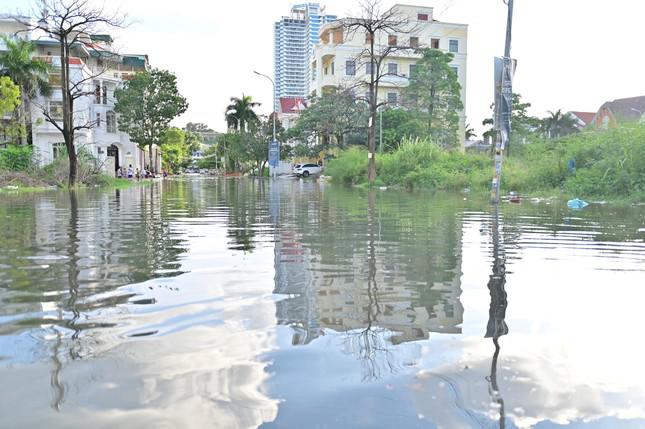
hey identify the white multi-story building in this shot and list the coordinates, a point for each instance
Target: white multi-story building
(294, 39)
(101, 71)
(339, 57)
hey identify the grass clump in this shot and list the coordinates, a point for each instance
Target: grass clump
(609, 164)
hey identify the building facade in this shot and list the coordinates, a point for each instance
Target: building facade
(339, 57)
(294, 39)
(99, 70)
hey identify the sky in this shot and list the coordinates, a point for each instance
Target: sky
(572, 54)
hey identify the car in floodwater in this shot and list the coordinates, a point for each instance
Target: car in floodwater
(306, 170)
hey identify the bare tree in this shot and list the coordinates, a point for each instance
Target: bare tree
(376, 25)
(71, 22)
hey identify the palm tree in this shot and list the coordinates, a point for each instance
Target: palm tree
(558, 124)
(240, 112)
(470, 132)
(29, 74)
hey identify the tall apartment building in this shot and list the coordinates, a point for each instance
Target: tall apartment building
(294, 39)
(100, 70)
(338, 62)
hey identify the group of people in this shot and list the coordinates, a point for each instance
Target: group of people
(135, 173)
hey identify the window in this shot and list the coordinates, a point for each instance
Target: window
(414, 42)
(391, 40)
(392, 68)
(110, 121)
(333, 66)
(453, 46)
(369, 67)
(412, 67)
(455, 70)
(392, 97)
(97, 93)
(98, 120)
(313, 71)
(350, 67)
(104, 94)
(422, 17)
(56, 109)
(368, 37)
(59, 150)
(434, 43)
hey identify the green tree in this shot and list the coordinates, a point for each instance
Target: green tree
(399, 124)
(558, 124)
(30, 74)
(252, 146)
(9, 96)
(434, 90)
(146, 105)
(329, 119)
(523, 125)
(174, 150)
(240, 112)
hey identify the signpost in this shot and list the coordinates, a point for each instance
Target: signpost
(504, 70)
(274, 156)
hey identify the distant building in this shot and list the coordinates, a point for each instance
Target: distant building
(290, 109)
(583, 119)
(612, 113)
(294, 38)
(339, 58)
(97, 66)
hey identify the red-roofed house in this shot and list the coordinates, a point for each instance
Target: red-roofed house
(582, 118)
(290, 109)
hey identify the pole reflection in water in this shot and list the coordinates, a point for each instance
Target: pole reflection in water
(497, 312)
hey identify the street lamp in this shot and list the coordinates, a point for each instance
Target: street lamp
(274, 144)
(272, 83)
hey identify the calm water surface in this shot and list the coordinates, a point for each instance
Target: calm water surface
(212, 303)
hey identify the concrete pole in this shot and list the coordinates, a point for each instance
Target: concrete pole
(273, 170)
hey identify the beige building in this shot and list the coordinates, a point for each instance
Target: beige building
(339, 58)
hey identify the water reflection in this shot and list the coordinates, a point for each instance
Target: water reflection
(355, 264)
(496, 326)
(241, 303)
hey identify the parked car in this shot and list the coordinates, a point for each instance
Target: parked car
(306, 170)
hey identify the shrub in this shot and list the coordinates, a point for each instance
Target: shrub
(608, 164)
(17, 158)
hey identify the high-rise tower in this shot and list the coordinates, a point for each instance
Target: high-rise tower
(294, 38)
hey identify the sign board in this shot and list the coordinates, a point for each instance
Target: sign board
(274, 153)
(504, 71)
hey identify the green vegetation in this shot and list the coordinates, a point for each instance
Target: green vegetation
(146, 105)
(609, 164)
(19, 171)
(434, 94)
(30, 76)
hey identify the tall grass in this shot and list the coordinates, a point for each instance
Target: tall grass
(609, 164)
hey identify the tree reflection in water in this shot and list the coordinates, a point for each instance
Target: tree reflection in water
(497, 312)
(371, 344)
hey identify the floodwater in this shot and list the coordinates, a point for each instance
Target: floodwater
(232, 303)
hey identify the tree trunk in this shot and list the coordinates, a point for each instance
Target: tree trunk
(28, 125)
(73, 160)
(150, 159)
(371, 165)
(68, 113)
(373, 103)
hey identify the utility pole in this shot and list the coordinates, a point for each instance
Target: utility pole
(274, 146)
(504, 69)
